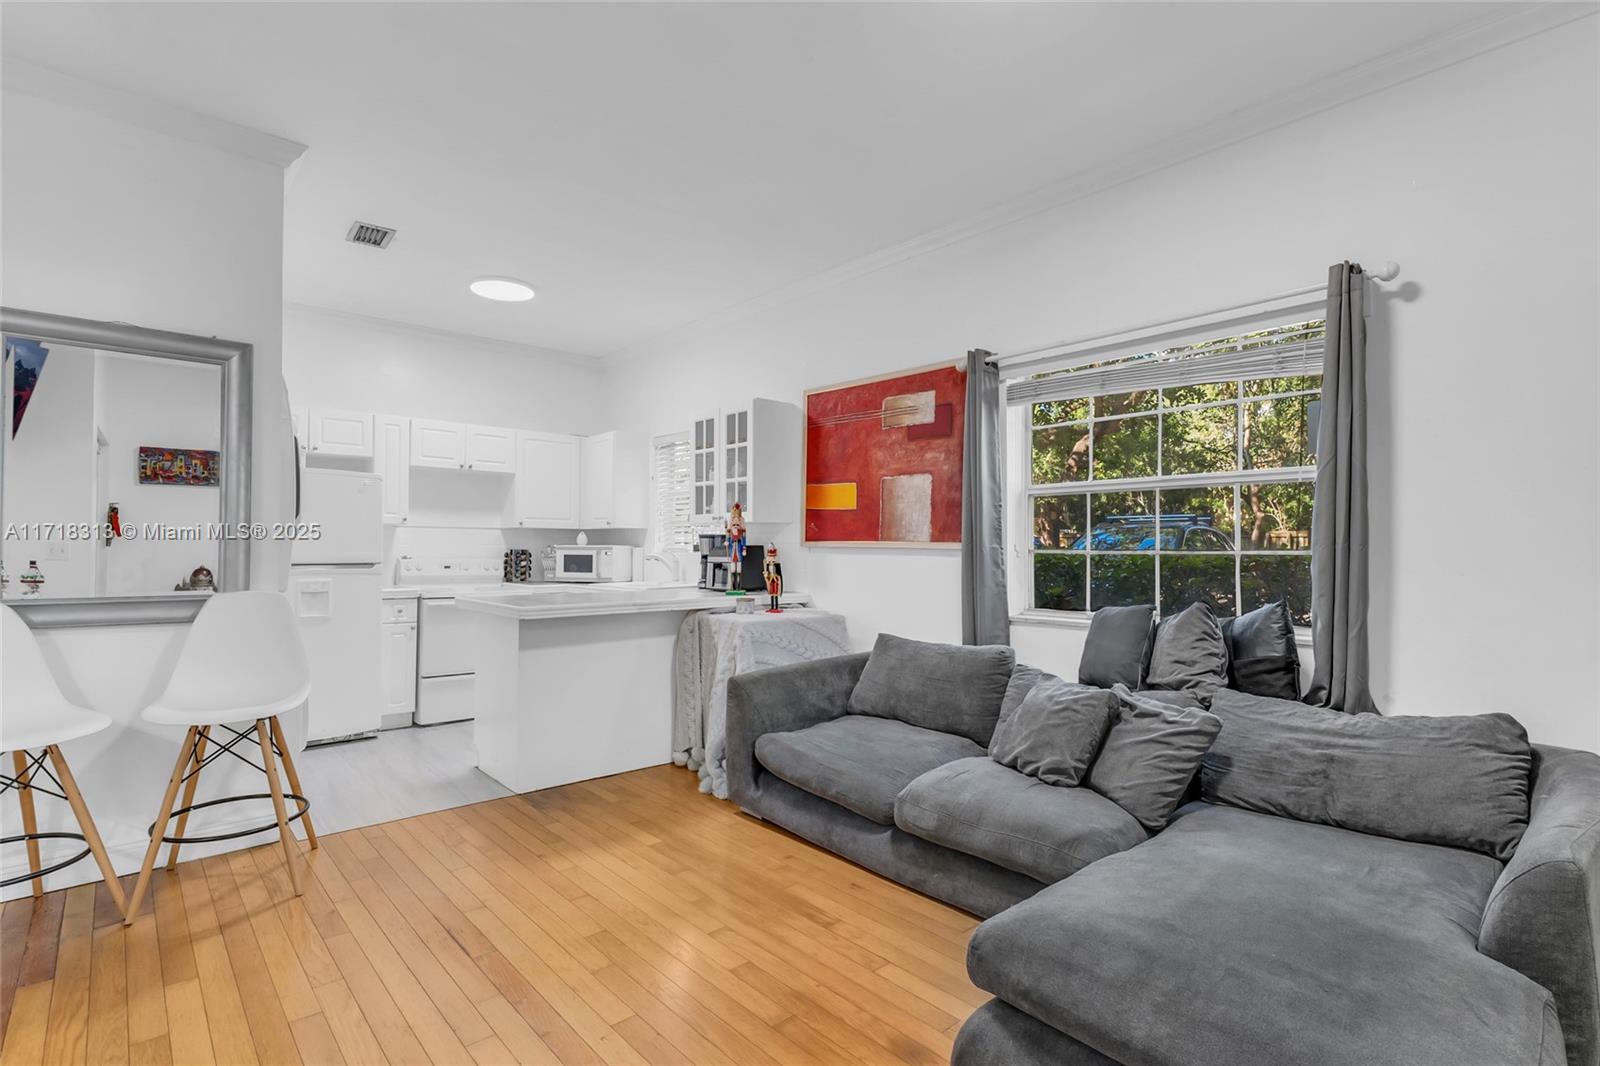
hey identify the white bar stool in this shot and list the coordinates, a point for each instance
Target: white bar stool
(243, 661)
(38, 716)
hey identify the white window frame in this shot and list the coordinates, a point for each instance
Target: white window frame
(686, 528)
(1017, 442)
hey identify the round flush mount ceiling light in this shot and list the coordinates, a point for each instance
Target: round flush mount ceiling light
(509, 290)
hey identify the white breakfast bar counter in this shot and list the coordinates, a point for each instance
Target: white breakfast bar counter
(576, 682)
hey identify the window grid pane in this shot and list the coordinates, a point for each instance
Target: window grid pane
(1234, 544)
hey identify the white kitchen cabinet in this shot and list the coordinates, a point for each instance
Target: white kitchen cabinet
(749, 454)
(595, 496)
(392, 461)
(545, 494)
(492, 449)
(341, 434)
(399, 663)
(704, 500)
(616, 481)
(440, 445)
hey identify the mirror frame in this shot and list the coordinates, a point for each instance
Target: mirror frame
(233, 558)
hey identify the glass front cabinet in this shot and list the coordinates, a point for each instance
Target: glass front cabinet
(749, 455)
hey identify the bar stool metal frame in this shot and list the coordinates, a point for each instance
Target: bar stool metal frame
(192, 758)
(191, 780)
(26, 767)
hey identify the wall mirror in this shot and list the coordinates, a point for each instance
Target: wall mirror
(124, 470)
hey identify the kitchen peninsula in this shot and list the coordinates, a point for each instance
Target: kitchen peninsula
(575, 682)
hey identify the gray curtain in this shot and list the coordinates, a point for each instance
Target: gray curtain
(1340, 677)
(985, 618)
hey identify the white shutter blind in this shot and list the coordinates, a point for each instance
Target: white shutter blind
(1288, 351)
(672, 477)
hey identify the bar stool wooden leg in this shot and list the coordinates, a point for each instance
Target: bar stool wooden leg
(284, 835)
(159, 830)
(294, 777)
(30, 824)
(91, 835)
(193, 770)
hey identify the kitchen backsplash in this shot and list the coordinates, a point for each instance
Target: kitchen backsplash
(437, 542)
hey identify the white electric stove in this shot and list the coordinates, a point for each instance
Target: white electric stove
(445, 641)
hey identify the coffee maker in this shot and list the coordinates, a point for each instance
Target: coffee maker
(714, 564)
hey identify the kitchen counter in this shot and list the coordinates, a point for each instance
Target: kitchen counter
(576, 601)
(576, 681)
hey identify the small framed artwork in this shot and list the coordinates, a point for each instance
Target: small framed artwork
(179, 466)
(883, 460)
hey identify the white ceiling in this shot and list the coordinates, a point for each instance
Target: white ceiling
(647, 166)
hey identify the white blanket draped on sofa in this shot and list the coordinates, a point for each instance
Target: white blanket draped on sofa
(712, 647)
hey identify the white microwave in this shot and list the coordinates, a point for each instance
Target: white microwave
(592, 562)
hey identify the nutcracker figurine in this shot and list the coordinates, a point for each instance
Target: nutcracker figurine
(772, 571)
(736, 546)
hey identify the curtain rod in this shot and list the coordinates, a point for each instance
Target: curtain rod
(1386, 271)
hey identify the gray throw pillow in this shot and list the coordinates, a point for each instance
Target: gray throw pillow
(1056, 732)
(1117, 649)
(1462, 782)
(1150, 756)
(1262, 658)
(949, 688)
(1023, 678)
(1188, 652)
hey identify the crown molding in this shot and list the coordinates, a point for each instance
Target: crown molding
(390, 325)
(1382, 72)
(31, 79)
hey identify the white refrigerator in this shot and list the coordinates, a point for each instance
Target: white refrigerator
(336, 586)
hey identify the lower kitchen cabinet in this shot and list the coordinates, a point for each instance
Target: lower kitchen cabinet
(399, 662)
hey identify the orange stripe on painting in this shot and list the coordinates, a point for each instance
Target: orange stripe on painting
(831, 496)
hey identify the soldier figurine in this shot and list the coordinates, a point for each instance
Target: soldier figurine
(772, 571)
(736, 546)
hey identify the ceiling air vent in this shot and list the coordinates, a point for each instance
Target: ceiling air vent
(370, 235)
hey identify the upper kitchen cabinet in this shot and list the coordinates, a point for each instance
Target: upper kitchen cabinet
(454, 446)
(749, 455)
(615, 492)
(439, 445)
(491, 449)
(545, 493)
(340, 434)
(392, 461)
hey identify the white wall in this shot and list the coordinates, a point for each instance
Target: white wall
(49, 475)
(1479, 179)
(102, 219)
(165, 404)
(364, 364)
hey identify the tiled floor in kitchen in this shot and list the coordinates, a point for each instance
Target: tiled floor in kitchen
(398, 774)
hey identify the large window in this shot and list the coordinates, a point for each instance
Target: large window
(1177, 489)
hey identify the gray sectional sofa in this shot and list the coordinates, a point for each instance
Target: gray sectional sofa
(1275, 927)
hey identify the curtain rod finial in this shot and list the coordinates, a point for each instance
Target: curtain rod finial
(1386, 271)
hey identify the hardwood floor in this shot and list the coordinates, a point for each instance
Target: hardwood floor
(629, 919)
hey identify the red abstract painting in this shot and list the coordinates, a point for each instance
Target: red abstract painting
(883, 460)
